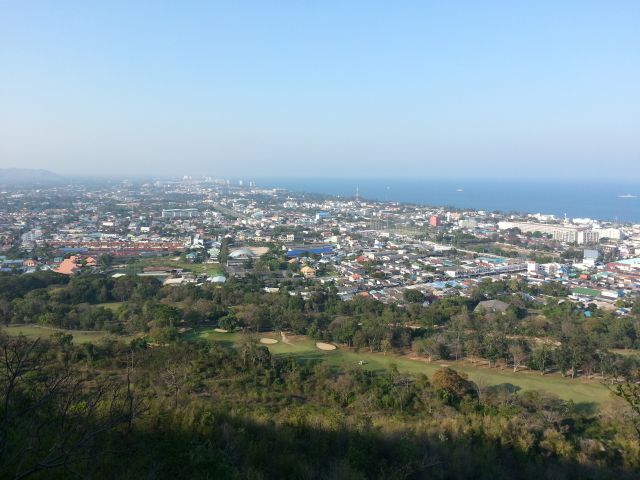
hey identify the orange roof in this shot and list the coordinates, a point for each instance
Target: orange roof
(68, 267)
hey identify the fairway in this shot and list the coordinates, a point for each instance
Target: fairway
(211, 334)
(577, 390)
(113, 306)
(34, 331)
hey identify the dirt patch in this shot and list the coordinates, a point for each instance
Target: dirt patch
(268, 341)
(291, 338)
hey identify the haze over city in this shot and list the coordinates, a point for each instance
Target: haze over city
(320, 240)
(345, 89)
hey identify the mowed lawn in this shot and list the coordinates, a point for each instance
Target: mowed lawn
(577, 390)
(32, 331)
(228, 339)
(170, 261)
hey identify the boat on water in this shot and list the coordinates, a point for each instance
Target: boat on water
(627, 195)
(459, 190)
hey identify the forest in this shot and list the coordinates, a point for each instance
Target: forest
(558, 335)
(163, 404)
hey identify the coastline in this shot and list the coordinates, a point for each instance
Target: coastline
(608, 202)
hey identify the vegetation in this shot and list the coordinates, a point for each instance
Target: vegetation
(201, 410)
(170, 261)
(175, 398)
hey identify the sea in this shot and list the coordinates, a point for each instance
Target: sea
(599, 200)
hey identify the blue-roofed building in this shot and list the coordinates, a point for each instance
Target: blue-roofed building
(12, 263)
(492, 260)
(74, 250)
(318, 250)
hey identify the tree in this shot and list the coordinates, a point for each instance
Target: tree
(253, 316)
(385, 345)
(518, 352)
(50, 417)
(106, 260)
(630, 393)
(541, 357)
(166, 315)
(252, 352)
(433, 347)
(573, 351)
(494, 346)
(62, 338)
(412, 295)
(458, 325)
(175, 377)
(453, 386)
(228, 322)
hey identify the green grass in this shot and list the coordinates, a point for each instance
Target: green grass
(32, 332)
(167, 261)
(110, 305)
(228, 339)
(577, 390)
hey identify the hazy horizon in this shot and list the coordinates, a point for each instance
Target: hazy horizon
(262, 179)
(360, 90)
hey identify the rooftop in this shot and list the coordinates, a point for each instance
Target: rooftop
(630, 261)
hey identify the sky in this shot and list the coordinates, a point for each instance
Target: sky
(421, 89)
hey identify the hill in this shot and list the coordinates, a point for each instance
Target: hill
(28, 176)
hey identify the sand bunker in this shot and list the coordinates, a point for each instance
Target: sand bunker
(325, 346)
(220, 330)
(268, 341)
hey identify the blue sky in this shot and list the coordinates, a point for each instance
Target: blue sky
(352, 89)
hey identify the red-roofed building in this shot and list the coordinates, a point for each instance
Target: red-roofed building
(69, 266)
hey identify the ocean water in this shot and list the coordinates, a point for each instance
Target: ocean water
(579, 199)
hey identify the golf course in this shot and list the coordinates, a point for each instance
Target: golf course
(578, 390)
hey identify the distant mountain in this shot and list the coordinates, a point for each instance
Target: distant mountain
(28, 176)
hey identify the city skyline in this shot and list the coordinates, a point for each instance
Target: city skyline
(320, 240)
(361, 90)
